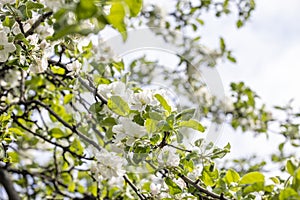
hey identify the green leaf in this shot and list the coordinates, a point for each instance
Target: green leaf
(16, 131)
(288, 193)
(85, 9)
(232, 176)
(239, 23)
(200, 21)
(255, 187)
(186, 114)
(118, 105)
(116, 18)
(173, 187)
(192, 124)
(33, 6)
(9, 22)
(151, 125)
(163, 102)
(14, 156)
(156, 116)
(252, 177)
(222, 45)
(118, 65)
(71, 186)
(154, 139)
(93, 189)
(188, 165)
(275, 180)
(135, 6)
(68, 98)
(76, 146)
(231, 58)
(290, 167)
(96, 107)
(57, 133)
(209, 175)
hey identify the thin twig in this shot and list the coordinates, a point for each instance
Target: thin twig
(181, 149)
(38, 22)
(72, 128)
(199, 188)
(136, 190)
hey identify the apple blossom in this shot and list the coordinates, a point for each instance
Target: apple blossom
(109, 164)
(74, 67)
(128, 129)
(117, 88)
(141, 99)
(168, 157)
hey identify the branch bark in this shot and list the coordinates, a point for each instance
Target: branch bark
(8, 185)
(203, 190)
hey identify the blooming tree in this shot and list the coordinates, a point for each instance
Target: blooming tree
(77, 122)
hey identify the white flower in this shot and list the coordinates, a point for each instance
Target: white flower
(45, 30)
(168, 156)
(109, 164)
(140, 100)
(5, 47)
(155, 188)
(74, 67)
(129, 129)
(40, 54)
(180, 183)
(116, 88)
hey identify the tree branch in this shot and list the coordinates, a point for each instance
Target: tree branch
(199, 188)
(8, 185)
(72, 128)
(38, 22)
(136, 190)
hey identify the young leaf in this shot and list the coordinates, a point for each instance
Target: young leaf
(116, 18)
(118, 105)
(151, 125)
(16, 131)
(288, 193)
(135, 6)
(290, 167)
(192, 124)
(85, 9)
(173, 187)
(57, 133)
(163, 102)
(68, 98)
(252, 177)
(232, 176)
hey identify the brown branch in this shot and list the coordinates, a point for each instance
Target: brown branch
(92, 89)
(201, 189)
(8, 185)
(188, 181)
(38, 22)
(135, 189)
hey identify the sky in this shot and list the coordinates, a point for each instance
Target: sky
(268, 50)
